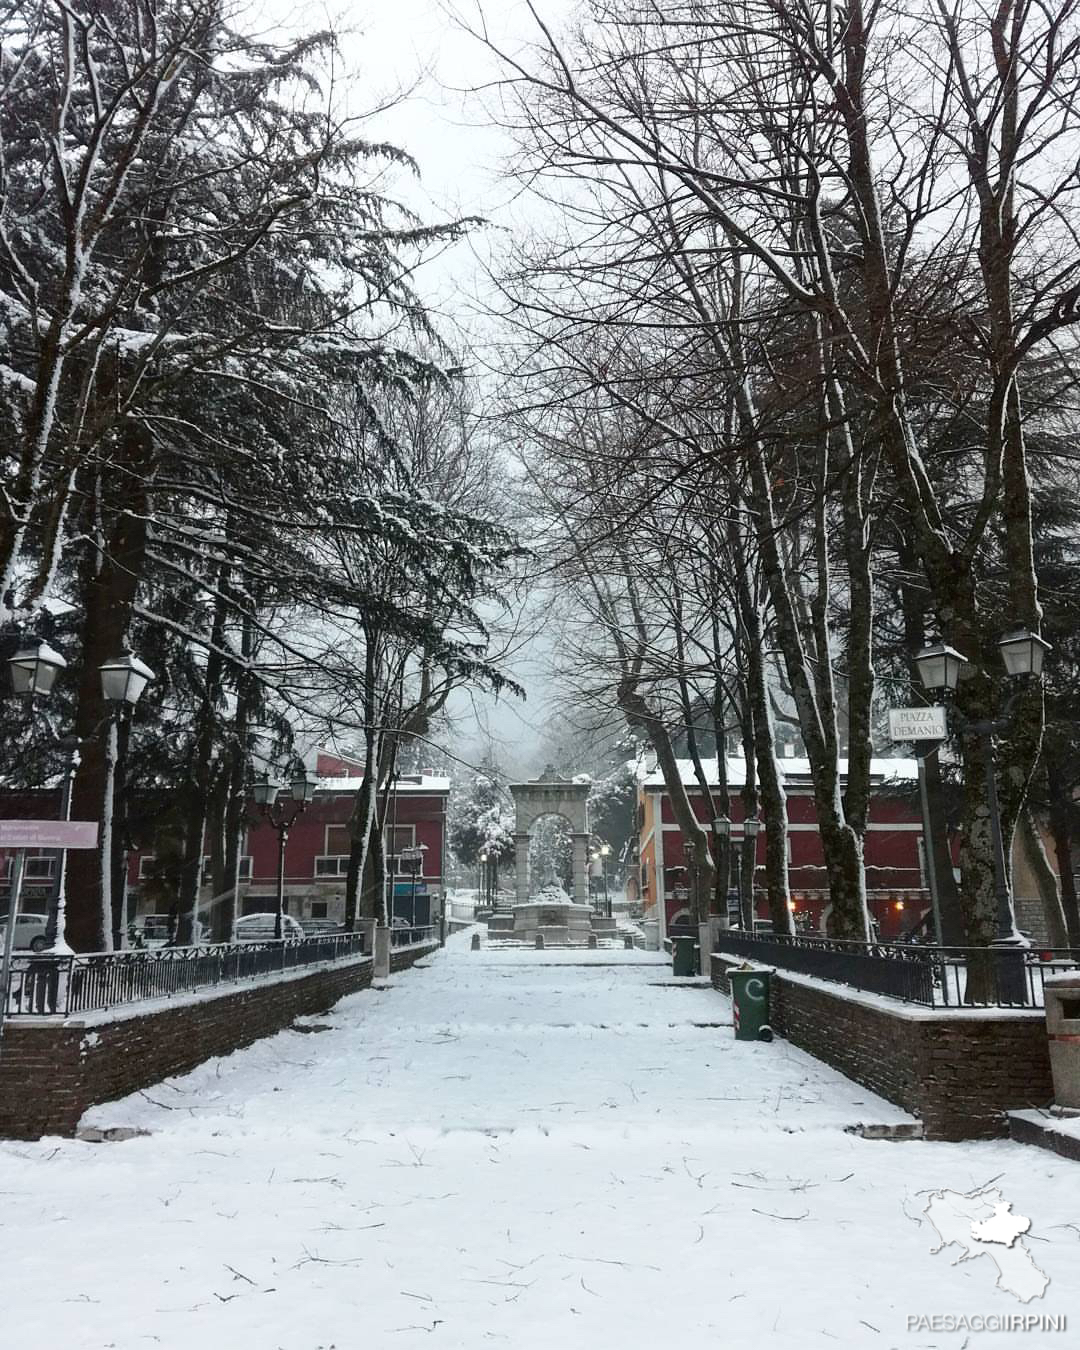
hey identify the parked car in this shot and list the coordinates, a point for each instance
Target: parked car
(320, 927)
(29, 932)
(261, 927)
(154, 930)
(158, 930)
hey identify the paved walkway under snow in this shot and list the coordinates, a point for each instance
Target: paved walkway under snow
(538, 1150)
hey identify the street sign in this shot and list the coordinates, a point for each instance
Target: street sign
(918, 724)
(48, 833)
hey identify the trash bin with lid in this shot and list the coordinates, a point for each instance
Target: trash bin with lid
(1062, 997)
(750, 987)
(684, 956)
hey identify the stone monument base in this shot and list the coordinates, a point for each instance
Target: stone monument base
(562, 924)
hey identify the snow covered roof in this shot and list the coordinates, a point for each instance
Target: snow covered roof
(414, 784)
(793, 772)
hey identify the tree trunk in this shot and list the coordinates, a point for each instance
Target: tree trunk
(1061, 827)
(1046, 879)
(109, 590)
(773, 796)
(638, 714)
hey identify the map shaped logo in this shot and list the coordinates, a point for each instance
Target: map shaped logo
(981, 1223)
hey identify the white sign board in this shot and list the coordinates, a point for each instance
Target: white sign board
(48, 833)
(918, 724)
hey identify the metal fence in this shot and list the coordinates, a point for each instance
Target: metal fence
(414, 937)
(946, 977)
(43, 985)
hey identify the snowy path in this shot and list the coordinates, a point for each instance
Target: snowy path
(538, 1150)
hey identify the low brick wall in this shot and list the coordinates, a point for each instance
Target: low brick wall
(401, 958)
(960, 1071)
(51, 1071)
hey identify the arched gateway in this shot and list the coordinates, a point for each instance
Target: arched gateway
(551, 795)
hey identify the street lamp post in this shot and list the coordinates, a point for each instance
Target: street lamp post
(122, 682)
(412, 859)
(34, 668)
(721, 828)
(281, 813)
(691, 875)
(940, 668)
(748, 863)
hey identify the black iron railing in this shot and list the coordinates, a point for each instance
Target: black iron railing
(43, 985)
(947, 977)
(413, 937)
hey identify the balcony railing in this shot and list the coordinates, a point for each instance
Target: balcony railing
(945, 977)
(44, 985)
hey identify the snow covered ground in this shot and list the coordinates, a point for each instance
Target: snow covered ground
(543, 1150)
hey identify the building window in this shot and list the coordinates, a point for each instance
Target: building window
(318, 909)
(39, 869)
(399, 837)
(329, 868)
(208, 871)
(146, 866)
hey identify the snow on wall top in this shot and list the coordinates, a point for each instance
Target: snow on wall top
(792, 771)
(422, 784)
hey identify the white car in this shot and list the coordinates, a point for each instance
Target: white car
(261, 927)
(29, 932)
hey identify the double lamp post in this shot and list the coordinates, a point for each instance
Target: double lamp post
(721, 828)
(941, 668)
(34, 668)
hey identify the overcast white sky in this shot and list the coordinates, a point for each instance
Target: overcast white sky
(415, 46)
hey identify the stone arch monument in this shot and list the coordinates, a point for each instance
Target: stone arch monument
(551, 795)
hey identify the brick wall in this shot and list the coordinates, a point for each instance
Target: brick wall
(959, 1072)
(52, 1071)
(401, 958)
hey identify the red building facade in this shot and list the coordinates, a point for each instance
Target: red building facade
(897, 892)
(317, 851)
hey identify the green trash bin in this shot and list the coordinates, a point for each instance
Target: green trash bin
(750, 1003)
(684, 956)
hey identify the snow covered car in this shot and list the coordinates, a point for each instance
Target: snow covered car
(262, 927)
(29, 932)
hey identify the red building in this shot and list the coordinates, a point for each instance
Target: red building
(317, 850)
(896, 883)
